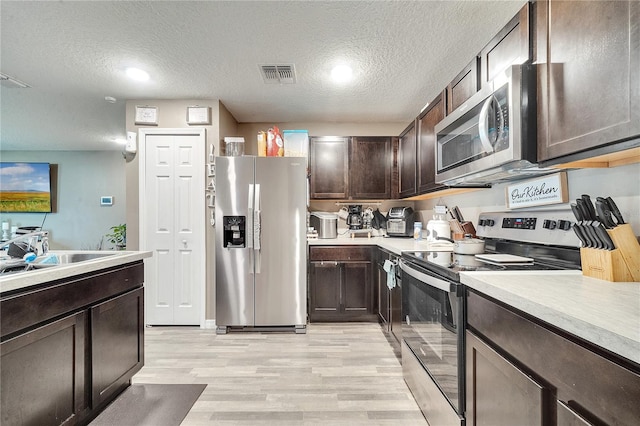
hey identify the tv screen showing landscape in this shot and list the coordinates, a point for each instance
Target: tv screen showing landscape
(25, 187)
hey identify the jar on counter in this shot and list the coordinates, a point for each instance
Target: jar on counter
(417, 231)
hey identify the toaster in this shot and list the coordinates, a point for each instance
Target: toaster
(400, 222)
(325, 223)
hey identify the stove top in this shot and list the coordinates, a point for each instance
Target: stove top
(540, 235)
(450, 264)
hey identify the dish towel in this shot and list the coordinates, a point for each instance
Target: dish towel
(390, 269)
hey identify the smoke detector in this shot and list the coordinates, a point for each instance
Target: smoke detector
(12, 83)
(283, 73)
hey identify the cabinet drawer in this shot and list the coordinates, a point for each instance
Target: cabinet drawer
(340, 253)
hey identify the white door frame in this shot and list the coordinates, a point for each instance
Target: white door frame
(142, 137)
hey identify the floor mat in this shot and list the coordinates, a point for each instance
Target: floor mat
(150, 404)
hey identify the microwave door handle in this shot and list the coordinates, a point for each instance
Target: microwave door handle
(483, 124)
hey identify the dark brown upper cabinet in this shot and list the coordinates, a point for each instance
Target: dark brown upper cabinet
(344, 168)
(588, 75)
(329, 167)
(407, 164)
(371, 167)
(427, 121)
(511, 46)
(463, 86)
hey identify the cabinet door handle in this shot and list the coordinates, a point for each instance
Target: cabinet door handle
(184, 243)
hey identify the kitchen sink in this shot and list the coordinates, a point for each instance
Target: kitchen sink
(12, 265)
(80, 257)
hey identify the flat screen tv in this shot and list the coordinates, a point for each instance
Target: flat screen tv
(25, 187)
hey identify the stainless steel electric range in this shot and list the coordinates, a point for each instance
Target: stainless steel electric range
(433, 302)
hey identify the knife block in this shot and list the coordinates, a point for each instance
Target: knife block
(621, 264)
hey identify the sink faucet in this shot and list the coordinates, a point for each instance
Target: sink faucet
(37, 242)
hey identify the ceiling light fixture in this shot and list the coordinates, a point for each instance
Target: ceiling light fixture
(137, 74)
(341, 74)
(110, 99)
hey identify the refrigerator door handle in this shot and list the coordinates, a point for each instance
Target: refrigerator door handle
(250, 217)
(249, 229)
(257, 223)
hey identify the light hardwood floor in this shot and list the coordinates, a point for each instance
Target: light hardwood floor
(335, 374)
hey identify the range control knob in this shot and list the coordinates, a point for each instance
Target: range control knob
(549, 224)
(490, 222)
(482, 222)
(565, 225)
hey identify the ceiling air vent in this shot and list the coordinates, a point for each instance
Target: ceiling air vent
(283, 74)
(12, 83)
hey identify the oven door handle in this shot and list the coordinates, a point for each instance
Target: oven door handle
(427, 279)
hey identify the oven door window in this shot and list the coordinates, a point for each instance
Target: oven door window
(431, 329)
(482, 131)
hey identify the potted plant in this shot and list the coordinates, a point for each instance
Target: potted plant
(118, 236)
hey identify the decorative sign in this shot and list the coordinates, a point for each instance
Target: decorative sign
(146, 115)
(198, 115)
(550, 189)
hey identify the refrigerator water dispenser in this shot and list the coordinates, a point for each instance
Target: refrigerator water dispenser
(234, 231)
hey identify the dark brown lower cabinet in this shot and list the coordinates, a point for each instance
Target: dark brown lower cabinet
(43, 374)
(117, 344)
(498, 393)
(70, 346)
(340, 284)
(521, 371)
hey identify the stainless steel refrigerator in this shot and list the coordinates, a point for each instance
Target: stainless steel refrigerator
(260, 245)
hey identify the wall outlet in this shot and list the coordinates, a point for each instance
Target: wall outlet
(131, 145)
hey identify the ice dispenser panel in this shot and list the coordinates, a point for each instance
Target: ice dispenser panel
(234, 231)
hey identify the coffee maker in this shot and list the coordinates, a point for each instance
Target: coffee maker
(354, 219)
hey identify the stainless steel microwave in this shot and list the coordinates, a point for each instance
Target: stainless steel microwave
(491, 137)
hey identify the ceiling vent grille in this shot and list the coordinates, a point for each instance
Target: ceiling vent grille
(12, 83)
(283, 74)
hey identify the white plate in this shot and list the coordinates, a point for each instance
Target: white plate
(504, 258)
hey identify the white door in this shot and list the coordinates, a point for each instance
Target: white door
(172, 224)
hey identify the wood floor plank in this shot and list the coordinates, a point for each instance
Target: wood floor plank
(335, 374)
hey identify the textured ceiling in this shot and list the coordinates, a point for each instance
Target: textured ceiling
(73, 54)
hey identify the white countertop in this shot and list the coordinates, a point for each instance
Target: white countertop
(604, 313)
(22, 280)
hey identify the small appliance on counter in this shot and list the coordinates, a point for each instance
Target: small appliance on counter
(400, 222)
(354, 219)
(325, 223)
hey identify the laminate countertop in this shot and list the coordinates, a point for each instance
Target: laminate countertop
(604, 313)
(23, 280)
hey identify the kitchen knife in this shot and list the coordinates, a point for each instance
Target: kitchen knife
(582, 208)
(604, 214)
(592, 240)
(604, 237)
(586, 224)
(577, 226)
(589, 207)
(458, 214)
(614, 209)
(576, 212)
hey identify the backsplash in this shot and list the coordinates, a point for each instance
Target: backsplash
(621, 183)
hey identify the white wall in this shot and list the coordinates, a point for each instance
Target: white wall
(78, 222)
(622, 183)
